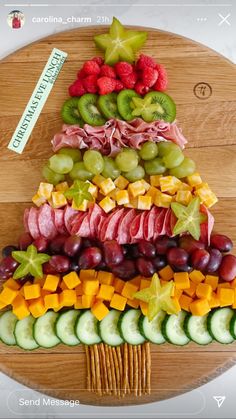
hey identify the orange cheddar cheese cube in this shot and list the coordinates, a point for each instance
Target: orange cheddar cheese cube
(99, 310)
(166, 273)
(119, 285)
(67, 298)
(196, 276)
(51, 300)
(118, 302)
(105, 292)
(222, 285)
(106, 278)
(200, 307)
(178, 293)
(191, 291)
(71, 280)
(144, 283)
(129, 290)
(181, 280)
(133, 303)
(214, 301)
(32, 291)
(226, 297)
(78, 304)
(8, 295)
(20, 308)
(12, 283)
(39, 281)
(212, 281)
(87, 274)
(176, 305)
(136, 280)
(143, 307)
(63, 285)
(91, 287)
(37, 308)
(79, 289)
(88, 300)
(185, 302)
(233, 283)
(204, 291)
(51, 283)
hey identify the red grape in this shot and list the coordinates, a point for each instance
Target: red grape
(7, 250)
(183, 268)
(9, 264)
(74, 266)
(90, 258)
(48, 269)
(57, 244)
(41, 244)
(215, 260)
(25, 240)
(163, 243)
(177, 256)
(126, 270)
(133, 252)
(89, 243)
(72, 245)
(200, 259)
(145, 267)
(159, 262)
(227, 269)
(147, 249)
(221, 242)
(113, 253)
(59, 263)
(189, 244)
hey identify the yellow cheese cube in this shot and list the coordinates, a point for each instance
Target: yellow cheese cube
(136, 188)
(37, 308)
(82, 207)
(11, 283)
(38, 200)
(144, 202)
(185, 187)
(163, 200)
(194, 179)
(45, 190)
(58, 199)
(106, 278)
(112, 194)
(133, 202)
(206, 196)
(93, 189)
(155, 180)
(107, 186)
(51, 283)
(20, 308)
(99, 310)
(62, 187)
(152, 192)
(32, 291)
(71, 280)
(8, 295)
(91, 287)
(121, 182)
(51, 301)
(107, 204)
(122, 197)
(169, 184)
(106, 292)
(183, 197)
(145, 184)
(88, 301)
(118, 302)
(67, 297)
(98, 179)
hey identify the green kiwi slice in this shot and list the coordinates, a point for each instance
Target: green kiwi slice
(108, 105)
(125, 105)
(166, 108)
(89, 110)
(70, 112)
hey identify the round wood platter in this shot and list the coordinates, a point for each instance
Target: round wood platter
(203, 84)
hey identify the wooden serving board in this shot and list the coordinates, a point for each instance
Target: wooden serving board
(203, 84)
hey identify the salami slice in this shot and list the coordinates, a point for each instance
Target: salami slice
(123, 234)
(159, 222)
(207, 226)
(77, 221)
(137, 232)
(96, 213)
(113, 224)
(103, 229)
(84, 230)
(25, 220)
(46, 222)
(59, 221)
(33, 226)
(149, 223)
(69, 215)
(166, 224)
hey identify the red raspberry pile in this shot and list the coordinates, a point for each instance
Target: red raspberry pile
(97, 77)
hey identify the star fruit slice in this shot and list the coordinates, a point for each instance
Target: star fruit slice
(30, 262)
(145, 108)
(79, 191)
(189, 218)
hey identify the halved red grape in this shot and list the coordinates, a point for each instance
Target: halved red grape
(126, 270)
(177, 256)
(57, 244)
(147, 249)
(215, 260)
(25, 240)
(227, 269)
(189, 244)
(59, 263)
(159, 262)
(41, 244)
(90, 258)
(145, 267)
(200, 259)
(113, 253)
(7, 250)
(163, 243)
(72, 246)
(221, 242)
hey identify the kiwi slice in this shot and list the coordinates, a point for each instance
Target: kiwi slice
(166, 108)
(89, 110)
(108, 105)
(125, 104)
(70, 112)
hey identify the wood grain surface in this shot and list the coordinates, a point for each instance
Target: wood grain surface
(210, 127)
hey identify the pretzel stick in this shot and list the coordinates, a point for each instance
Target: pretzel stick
(135, 370)
(101, 369)
(107, 360)
(143, 353)
(131, 367)
(114, 387)
(126, 363)
(98, 373)
(121, 370)
(104, 365)
(93, 368)
(117, 370)
(88, 367)
(139, 371)
(148, 379)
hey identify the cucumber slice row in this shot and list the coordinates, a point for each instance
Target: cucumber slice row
(128, 326)
(151, 330)
(7, 325)
(44, 330)
(196, 329)
(219, 325)
(173, 329)
(108, 329)
(65, 327)
(86, 328)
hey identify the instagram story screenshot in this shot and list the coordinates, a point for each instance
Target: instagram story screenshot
(117, 209)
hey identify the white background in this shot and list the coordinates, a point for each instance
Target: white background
(201, 21)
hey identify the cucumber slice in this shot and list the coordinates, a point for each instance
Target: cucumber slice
(86, 328)
(24, 333)
(7, 325)
(128, 327)
(65, 327)
(108, 329)
(151, 330)
(232, 326)
(196, 329)
(218, 324)
(173, 329)
(44, 330)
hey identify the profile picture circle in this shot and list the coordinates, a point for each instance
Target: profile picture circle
(16, 19)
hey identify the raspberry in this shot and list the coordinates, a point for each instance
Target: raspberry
(98, 60)
(145, 61)
(130, 80)
(77, 89)
(123, 68)
(140, 88)
(106, 85)
(90, 83)
(119, 86)
(162, 81)
(107, 71)
(149, 76)
(91, 67)
(81, 74)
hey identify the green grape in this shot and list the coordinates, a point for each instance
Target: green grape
(127, 159)
(148, 151)
(165, 147)
(173, 159)
(74, 153)
(93, 161)
(51, 176)
(136, 174)
(61, 163)
(110, 168)
(79, 171)
(154, 167)
(186, 168)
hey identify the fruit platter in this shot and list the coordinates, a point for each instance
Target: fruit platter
(117, 269)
